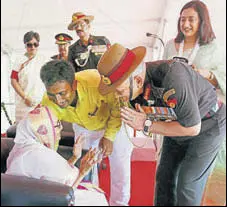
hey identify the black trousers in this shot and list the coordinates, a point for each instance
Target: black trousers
(184, 166)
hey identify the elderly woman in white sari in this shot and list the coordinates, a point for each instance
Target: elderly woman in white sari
(34, 155)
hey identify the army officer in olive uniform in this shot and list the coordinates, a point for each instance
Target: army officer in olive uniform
(86, 52)
(63, 41)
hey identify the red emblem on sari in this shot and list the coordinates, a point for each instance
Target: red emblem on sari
(42, 130)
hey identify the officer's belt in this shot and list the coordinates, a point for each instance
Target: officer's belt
(213, 110)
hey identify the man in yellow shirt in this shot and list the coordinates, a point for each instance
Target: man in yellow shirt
(75, 98)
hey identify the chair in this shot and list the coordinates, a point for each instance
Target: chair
(25, 191)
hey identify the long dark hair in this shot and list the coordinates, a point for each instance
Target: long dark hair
(206, 34)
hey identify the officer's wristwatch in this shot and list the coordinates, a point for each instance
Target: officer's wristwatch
(146, 127)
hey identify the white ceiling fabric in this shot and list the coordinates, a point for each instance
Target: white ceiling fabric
(123, 21)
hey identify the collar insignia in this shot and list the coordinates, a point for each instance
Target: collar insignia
(106, 80)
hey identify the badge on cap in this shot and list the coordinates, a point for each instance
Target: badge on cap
(106, 80)
(61, 37)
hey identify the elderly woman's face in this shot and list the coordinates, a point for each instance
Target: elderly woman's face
(32, 46)
(45, 126)
(189, 22)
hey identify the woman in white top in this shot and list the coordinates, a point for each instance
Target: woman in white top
(36, 140)
(25, 76)
(196, 42)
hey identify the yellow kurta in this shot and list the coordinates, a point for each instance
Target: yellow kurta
(93, 111)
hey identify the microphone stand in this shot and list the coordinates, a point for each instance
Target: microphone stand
(155, 36)
(160, 39)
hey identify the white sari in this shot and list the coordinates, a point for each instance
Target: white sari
(30, 81)
(30, 157)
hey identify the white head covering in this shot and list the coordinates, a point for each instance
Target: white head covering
(38, 126)
(34, 153)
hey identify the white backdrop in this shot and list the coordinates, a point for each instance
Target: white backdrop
(123, 21)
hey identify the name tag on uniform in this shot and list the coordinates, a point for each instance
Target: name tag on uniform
(98, 49)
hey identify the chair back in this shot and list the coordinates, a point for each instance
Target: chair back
(6, 146)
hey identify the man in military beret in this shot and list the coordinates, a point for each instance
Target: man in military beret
(63, 41)
(194, 128)
(86, 52)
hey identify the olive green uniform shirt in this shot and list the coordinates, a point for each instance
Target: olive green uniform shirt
(87, 56)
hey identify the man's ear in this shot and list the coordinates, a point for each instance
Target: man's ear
(139, 81)
(74, 85)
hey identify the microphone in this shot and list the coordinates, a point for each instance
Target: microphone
(155, 36)
(149, 34)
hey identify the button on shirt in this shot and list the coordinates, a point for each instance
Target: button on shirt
(93, 111)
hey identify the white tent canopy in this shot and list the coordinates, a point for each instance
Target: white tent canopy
(122, 21)
(125, 21)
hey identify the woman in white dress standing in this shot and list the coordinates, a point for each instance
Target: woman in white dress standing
(25, 79)
(25, 76)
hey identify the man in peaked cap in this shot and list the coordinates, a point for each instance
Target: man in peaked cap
(85, 52)
(63, 41)
(192, 139)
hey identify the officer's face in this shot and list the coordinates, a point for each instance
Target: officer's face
(63, 49)
(82, 28)
(189, 22)
(61, 93)
(133, 84)
(123, 91)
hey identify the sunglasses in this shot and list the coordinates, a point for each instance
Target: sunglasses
(82, 25)
(30, 45)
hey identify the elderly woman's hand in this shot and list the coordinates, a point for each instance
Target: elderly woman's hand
(78, 145)
(88, 161)
(133, 118)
